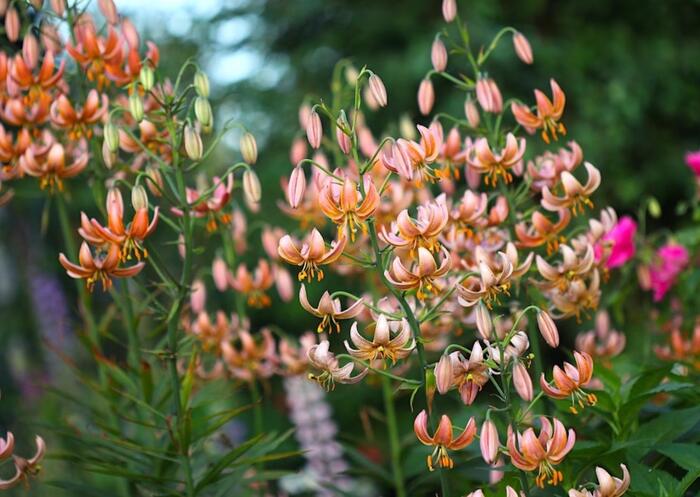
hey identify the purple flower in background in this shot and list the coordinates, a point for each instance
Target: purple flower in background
(50, 308)
(672, 258)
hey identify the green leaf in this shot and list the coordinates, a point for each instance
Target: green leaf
(686, 455)
(225, 461)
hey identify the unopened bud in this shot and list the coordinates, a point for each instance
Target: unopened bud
(147, 77)
(296, 187)
(136, 107)
(488, 95)
(438, 55)
(351, 74)
(108, 156)
(111, 136)
(489, 442)
(59, 7)
(340, 136)
(522, 381)
(548, 329)
(202, 111)
(201, 84)
(219, 272)
(155, 184)
(198, 297)
(484, 325)
(314, 130)
(139, 198)
(444, 374)
(251, 186)
(109, 10)
(12, 24)
(30, 50)
(522, 47)
(378, 90)
(654, 208)
(249, 148)
(471, 113)
(449, 10)
(406, 128)
(193, 143)
(297, 152)
(284, 284)
(426, 96)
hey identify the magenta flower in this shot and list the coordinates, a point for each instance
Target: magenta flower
(620, 240)
(671, 260)
(692, 159)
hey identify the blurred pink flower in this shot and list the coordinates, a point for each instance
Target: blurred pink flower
(671, 260)
(692, 159)
(621, 243)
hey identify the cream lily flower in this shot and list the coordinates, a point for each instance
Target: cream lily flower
(321, 358)
(329, 310)
(575, 194)
(382, 345)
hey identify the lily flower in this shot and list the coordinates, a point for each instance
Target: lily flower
(329, 310)
(443, 439)
(483, 160)
(102, 266)
(549, 113)
(52, 169)
(253, 286)
(580, 295)
(530, 452)
(311, 254)
(24, 468)
(424, 153)
(469, 212)
(12, 148)
(250, 360)
(7, 446)
(603, 341)
(36, 84)
(420, 232)
(570, 381)
(608, 486)
(542, 231)
(494, 279)
(211, 334)
(17, 113)
(468, 376)
(576, 196)
(546, 169)
(211, 206)
(421, 275)
(321, 358)
(571, 268)
(341, 203)
(382, 345)
(100, 57)
(78, 122)
(294, 357)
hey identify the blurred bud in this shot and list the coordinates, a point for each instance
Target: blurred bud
(296, 187)
(351, 74)
(156, 180)
(378, 90)
(522, 381)
(130, 33)
(249, 148)
(139, 198)
(111, 136)
(219, 272)
(314, 131)
(50, 38)
(251, 186)
(284, 284)
(30, 50)
(489, 442)
(202, 111)
(3, 6)
(522, 47)
(476, 493)
(449, 10)
(426, 96)
(109, 11)
(59, 7)
(304, 113)
(483, 321)
(488, 95)
(147, 77)
(340, 136)
(193, 143)
(654, 208)
(548, 329)
(181, 248)
(201, 84)
(644, 277)
(406, 128)
(108, 156)
(438, 55)
(198, 297)
(471, 113)
(444, 374)
(12, 24)
(136, 107)
(298, 151)
(368, 99)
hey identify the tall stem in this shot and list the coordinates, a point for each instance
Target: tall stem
(394, 445)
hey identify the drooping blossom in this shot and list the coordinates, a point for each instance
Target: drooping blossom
(343, 205)
(247, 359)
(420, 275)
(468, 376)
(542, 231)
(575, 195)
(382, 346)
(423, 231)
(103, 265)
(496, 165)
(329, 310)
(310, 254)
(52, 168)
(549, 113)
(603, 341)
(209, 201)
(570, 382)
(76, 121)
(253, 286)
(24, 468)
(331, 372)
(443, 439)
(608, 486)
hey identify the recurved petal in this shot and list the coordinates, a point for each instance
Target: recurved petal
(420, 428)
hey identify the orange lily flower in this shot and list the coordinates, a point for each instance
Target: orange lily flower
(382, 346)
(210, 334)
(100, 57)
(52, 169)
(253, 286)
(210, 207)
(250, 360)
(421, 274)
(543, 231)
(79, 122)
(36, 84)
(570, 381)
(341, 203)
(103, 266)
(420, 232)
(443, 439)
(608, 486)
(329, 310)
(11, 149)
(575, 194)
(17, 113)
(548, 113)
(311, 254)
(484, 161)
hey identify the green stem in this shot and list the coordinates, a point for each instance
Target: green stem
(394, 444)
(131, 329)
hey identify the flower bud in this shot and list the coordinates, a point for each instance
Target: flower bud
(139, 198)
(12, 24)
(202, 111)
(449, 10)
(147, 77)
(304, 113)
(59, 7)
(484, 325)
(438, 55)
(156, 180)
(30, 50)
(201, 84)
(489, 442)
(314, 131)
(198, 297)
(644, 277)
(50, 38)
(522, 381)
(444, 374)
(108, 156)
(109, 11)
(249, 148)
(284, 284)
(488, 95)
(111, 136)
(406, 128)
(548, 329)
(296, 187)
(219, 272)
(471, 113)
(298, 150)
(426, 96)
(130, 33)
(340, 136)
(251, 186)
(193, 143)
(378, 90)
(136, 107)
(654, 208)
(522, 47)
(351, 74)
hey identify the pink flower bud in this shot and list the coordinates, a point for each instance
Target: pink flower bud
(378, 90)
(109, 10)
(438, 55)
(12, 24)
(489, 442)
(130, 33)
(181, 247)
(296, 187)
(298, 151)
(548, 329)
(251, 187)
(489, 96)
(198, 297)
(59, 7)
(449, 10)
(471, 113)
(219, 271)
(484, 325)
(284, 284)
(50, 38)
(157, 180)
(340, 136)
(314, 131)
(522, 381)
(522, 47)
(304, 113)
(30, 50)
(443, 374)
(426, 96)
